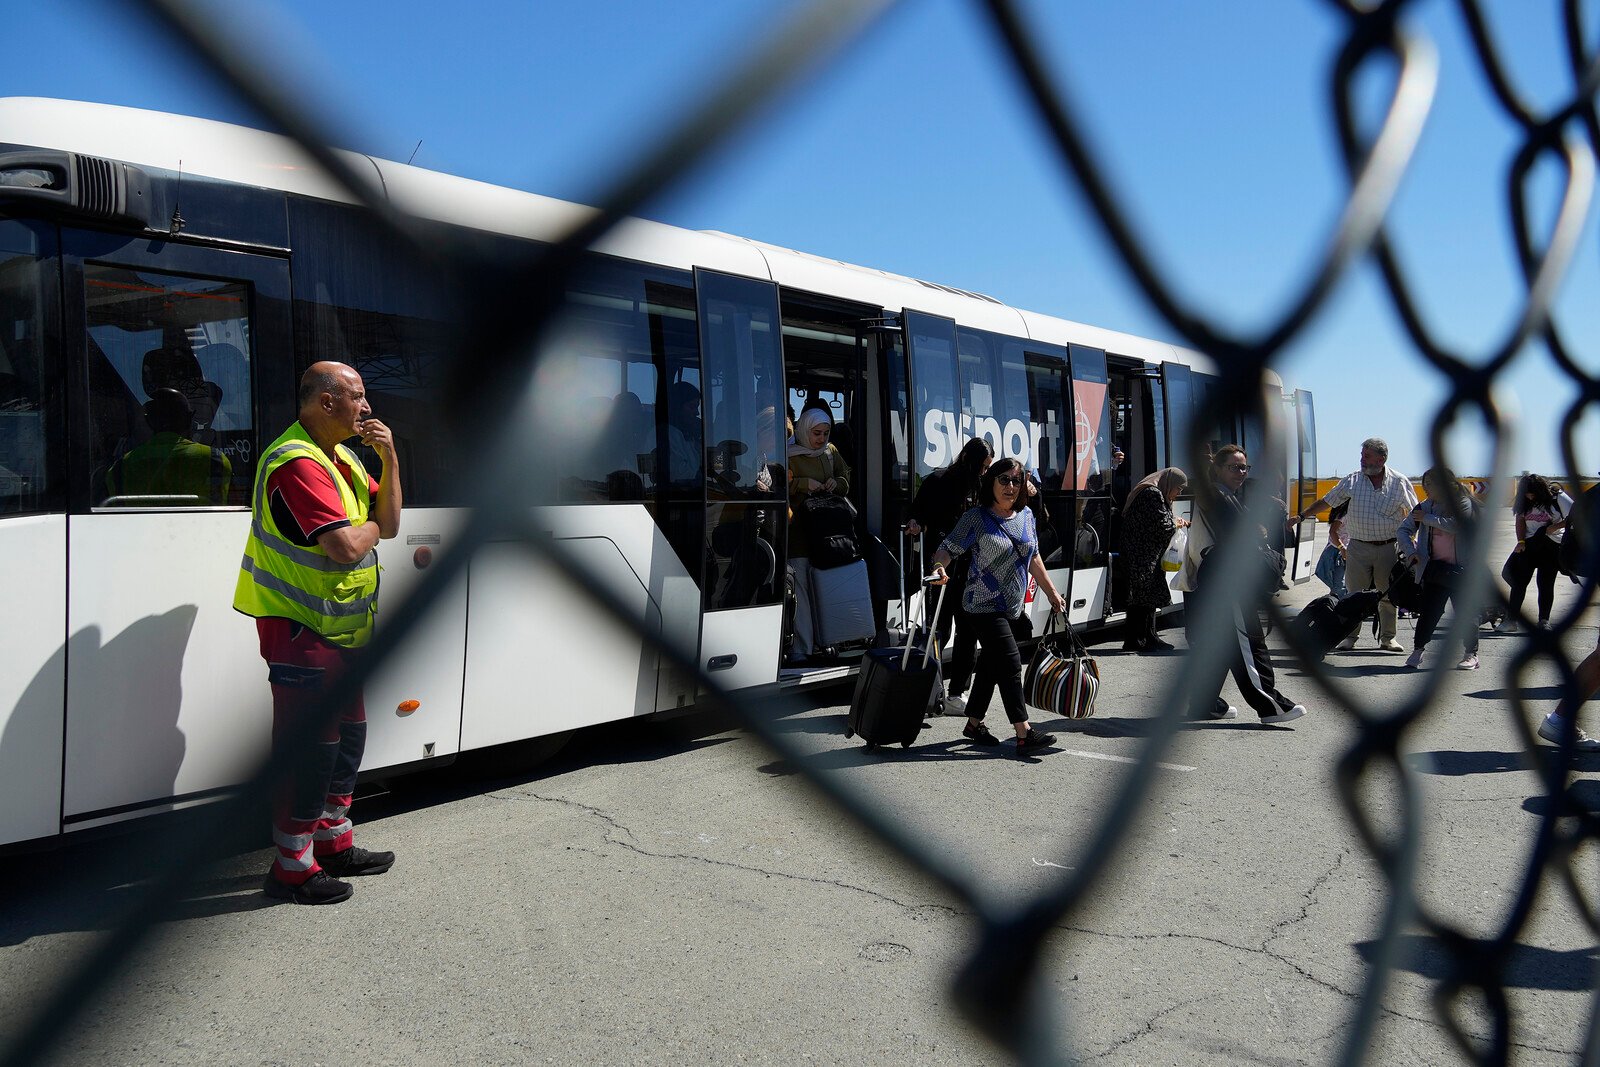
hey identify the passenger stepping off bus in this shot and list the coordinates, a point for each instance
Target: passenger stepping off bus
(830, 589)
(1002, 546)
(310, 578)
(942, 498)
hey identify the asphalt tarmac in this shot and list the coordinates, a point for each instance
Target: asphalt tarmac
(672, 892)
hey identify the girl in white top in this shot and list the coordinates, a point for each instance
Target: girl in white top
(1541, 512)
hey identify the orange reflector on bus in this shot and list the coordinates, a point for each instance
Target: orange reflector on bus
(408, 706)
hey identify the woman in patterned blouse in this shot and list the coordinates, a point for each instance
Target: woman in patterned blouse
(1003, 547)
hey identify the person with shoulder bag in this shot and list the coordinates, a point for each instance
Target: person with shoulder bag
(1430, 543)
(1002, 544)
(822, 530)
(942, 498)
(1148, 526)
(1541, 513)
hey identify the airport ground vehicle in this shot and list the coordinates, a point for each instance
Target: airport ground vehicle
(129, 684)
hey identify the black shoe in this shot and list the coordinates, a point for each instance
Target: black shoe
(1132, 645)
(320, 888)
(1035, 739)
(355, 861)
(979, 734)
(1155, 644)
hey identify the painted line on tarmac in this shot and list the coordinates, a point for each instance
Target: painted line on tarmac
(1121, 759)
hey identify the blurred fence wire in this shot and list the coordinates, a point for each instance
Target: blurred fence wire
(999, 987)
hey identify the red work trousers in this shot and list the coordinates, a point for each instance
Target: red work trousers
(311, 812)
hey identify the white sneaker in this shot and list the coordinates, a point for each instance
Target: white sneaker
(1415, 659)
(1284, 716)
(1468, 662)
(1550, 729)
(1348, 644)
(954, 705)
(1508, 625)
(1389, 644)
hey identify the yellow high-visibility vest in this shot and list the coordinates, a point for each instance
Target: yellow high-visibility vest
(281, 579)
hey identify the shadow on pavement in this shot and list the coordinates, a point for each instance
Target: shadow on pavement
(1532, 692)
(1526, 966)
(1455, 764)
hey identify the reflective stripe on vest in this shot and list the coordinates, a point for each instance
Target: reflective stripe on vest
(281, 579)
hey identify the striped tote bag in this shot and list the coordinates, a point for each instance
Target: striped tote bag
(1062, 677)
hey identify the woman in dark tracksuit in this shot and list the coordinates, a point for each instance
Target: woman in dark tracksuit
(1003, 548)
(1248, 659)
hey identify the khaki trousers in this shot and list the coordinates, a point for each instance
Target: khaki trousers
(1367, 567)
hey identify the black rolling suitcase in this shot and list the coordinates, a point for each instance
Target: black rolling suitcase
(1328, 620)
(894, 689)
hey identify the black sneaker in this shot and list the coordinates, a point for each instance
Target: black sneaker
(1035, 739)
(320, 888)
(355, 861)
(979, 735)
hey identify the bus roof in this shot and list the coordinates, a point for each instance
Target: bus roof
(227, 152)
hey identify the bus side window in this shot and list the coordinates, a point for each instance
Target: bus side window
(24, 431)
(164, 428)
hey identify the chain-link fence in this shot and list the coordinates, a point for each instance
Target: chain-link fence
(999, 984)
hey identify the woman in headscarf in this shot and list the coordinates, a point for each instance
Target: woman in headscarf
(1147, 526)
(815, 466)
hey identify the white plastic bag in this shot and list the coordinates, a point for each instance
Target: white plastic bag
(1177, 548)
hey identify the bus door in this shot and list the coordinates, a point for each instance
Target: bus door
(746, 511)
(935, 431)
(175, 348)
(33, 533)
(1137, 449)
(1050, 453)
(1301, 441)
(1093, 481)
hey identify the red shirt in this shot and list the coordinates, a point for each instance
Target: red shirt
(305, 501)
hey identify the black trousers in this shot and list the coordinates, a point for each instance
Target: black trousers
(1439, 582)
(999, 666)
(1541, 560)
(1247, 659)
(1141, 625)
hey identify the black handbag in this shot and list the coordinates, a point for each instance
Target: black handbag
(829, 521)
(1404, 589)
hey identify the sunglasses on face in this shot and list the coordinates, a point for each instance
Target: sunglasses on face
(1006, 479)
(1245, 469)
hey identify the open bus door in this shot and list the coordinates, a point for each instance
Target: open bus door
(746, 512)
(1301, 440)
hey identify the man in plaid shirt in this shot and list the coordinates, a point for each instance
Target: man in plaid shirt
(1380, 499)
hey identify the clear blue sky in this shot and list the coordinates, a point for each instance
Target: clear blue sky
(913, 152)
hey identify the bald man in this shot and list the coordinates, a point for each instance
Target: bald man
(310, 579)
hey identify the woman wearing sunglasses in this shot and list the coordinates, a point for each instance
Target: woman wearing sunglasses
(1002, 544)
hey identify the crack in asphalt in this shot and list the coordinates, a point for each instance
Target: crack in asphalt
(1144, 1031)
(614, 825)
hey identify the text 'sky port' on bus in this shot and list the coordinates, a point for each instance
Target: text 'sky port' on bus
(139, 308)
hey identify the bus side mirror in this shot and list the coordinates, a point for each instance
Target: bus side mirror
(83, 185)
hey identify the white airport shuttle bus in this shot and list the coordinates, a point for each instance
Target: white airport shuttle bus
(143, 252)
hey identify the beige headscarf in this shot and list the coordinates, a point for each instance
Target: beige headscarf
(1162, 480)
